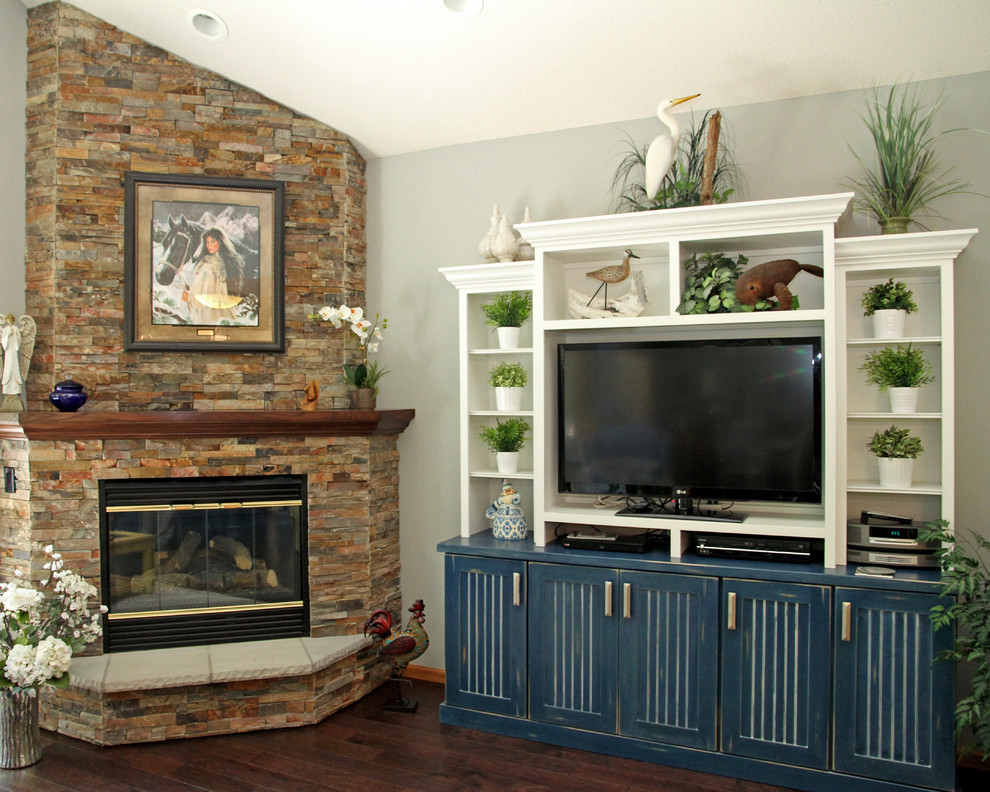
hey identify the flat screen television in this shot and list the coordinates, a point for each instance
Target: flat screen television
(722, 419)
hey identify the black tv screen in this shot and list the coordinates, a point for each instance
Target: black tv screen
(718, 419)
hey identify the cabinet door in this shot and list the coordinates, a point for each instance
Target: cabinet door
(775, 671)
(573, 646)
(486, 634)
(893, 707)
(668, 636)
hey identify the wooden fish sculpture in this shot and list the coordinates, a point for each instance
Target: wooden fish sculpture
(769, 280)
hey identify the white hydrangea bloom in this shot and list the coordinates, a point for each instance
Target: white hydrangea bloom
(17, 598)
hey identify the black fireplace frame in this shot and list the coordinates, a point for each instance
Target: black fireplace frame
(199, 627)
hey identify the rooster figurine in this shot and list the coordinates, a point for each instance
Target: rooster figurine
(404, 646)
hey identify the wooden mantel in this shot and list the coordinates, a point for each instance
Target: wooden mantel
(200, 423)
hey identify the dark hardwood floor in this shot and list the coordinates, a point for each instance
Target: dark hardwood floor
(360, 749)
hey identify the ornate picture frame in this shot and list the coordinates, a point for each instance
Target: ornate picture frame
(203, 264)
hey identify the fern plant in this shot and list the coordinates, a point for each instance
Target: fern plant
(682, 184)
(897, 367)
(965, 562)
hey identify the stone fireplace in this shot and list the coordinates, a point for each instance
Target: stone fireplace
(348, 462)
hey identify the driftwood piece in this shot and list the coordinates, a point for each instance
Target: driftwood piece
(711, 154)
(233, 548)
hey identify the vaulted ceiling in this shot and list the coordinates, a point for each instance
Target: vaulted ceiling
(399, 76)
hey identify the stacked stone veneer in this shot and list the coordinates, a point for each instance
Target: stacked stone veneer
(102, 103)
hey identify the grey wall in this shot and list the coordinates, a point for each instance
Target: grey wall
(429, 210)
(13, 96)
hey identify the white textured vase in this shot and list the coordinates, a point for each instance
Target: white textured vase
(505, 246)
(903, 400)
(889, 323)
(485, 246)
(508, 399)
(508, 337)
(895, 473)
(507, 461)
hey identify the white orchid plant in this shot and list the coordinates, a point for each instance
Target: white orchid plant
(41, 628)
(365, 374)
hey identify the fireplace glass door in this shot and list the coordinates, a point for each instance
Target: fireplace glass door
(196, 561)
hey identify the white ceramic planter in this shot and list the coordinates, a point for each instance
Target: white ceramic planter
(508, 337)
(508, 399)
(895, 473)
(903, 400)
(507, 461)
(889, 323)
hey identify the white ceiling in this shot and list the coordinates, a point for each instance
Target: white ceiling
(398, 76)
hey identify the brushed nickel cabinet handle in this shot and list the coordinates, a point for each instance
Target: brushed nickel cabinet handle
(847, 621)
(608, 597)
(627, 600)
(516, 589)
(732, 610)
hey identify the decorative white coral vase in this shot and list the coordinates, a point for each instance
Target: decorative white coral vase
(903, 400)
(485, 246)
(508, 399)
(895, 473)
(20, 735)
(889, 323)
(505, 246)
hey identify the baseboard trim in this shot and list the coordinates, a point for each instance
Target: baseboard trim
(426, 674)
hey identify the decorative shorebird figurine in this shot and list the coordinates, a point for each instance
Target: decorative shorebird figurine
(661, 151)
(613, 273)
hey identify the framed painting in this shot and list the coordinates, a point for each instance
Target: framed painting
(203, 264)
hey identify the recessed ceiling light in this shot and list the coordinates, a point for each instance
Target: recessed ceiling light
(464, 8)
(208, 24)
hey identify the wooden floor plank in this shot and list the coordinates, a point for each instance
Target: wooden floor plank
(360, 749)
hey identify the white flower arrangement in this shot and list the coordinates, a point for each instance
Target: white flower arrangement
(364, 375)
(39, 633)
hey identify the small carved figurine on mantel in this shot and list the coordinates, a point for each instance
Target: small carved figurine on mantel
(17, 342)
(312, 396)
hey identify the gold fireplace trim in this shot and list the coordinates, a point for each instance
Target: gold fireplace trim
(197, 611)
(157, 507)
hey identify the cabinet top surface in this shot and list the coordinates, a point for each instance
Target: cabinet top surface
(657, 560)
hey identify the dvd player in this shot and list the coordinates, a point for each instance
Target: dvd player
(616, 543)
(757, 548)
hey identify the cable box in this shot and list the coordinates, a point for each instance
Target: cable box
(757, 548)
(615, 543)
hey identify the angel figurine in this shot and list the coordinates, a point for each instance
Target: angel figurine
(17, 343)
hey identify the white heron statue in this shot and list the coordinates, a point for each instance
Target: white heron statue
(661, 151)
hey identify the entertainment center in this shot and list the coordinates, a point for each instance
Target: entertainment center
(804, 675)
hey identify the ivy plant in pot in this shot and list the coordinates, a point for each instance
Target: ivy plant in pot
(889, 304)
(508, 380)
(506, 313)
(895, 449)
(506, 439)
(965, 585)
(900, 371)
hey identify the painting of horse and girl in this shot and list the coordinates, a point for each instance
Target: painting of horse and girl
(206, 263)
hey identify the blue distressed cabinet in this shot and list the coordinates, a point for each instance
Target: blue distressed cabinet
(806, 678)
(775, 693)
(890, 713)
(486, 634)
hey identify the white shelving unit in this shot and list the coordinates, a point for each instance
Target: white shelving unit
(798, 228)
(924, 263)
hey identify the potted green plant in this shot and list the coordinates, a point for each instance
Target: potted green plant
(895, 449)
(900, 371)
(906, 177)
(889, 304)
(506, 313)
(506, 439)
(508, 380)
(965, 562)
